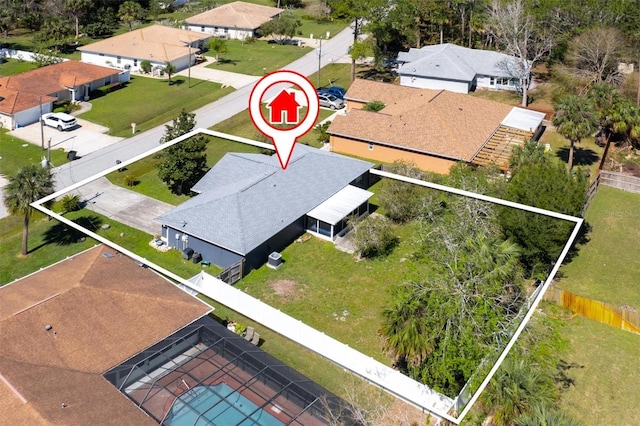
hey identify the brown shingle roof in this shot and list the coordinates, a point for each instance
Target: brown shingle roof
(447, 124)
(103, 311)
(157, 43)
(21, 91)
(237, 14)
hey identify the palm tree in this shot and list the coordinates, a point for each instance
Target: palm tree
(130, 11)
(29, 184)
(218, 45)
(516, 389)
(77, 8)
(575, 119)
(169, 69)
(541, 415)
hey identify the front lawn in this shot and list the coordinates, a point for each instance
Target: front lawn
(257, 58)
(604, 363)
(150, 102)
(16, 153)
(607, 267)
(148, 182)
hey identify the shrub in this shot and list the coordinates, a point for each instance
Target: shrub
(373, 236)
(71, 203)
(130, 180)
(146, 66)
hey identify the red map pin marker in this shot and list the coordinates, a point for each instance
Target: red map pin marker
(284, 109)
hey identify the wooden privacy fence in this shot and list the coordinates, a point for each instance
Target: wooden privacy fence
(623, 318)
(620, 180)
(232, 274)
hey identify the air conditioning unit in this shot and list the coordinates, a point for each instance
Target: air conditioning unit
(275, 260)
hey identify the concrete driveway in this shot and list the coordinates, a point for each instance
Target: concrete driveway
(85, 138)
(122, 205)
(225, 78)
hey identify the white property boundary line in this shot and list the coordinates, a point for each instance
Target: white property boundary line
(578, 223)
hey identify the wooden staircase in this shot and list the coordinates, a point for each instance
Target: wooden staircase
(497, 150)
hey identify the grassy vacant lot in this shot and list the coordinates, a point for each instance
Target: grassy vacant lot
(255, 58)
(16, 153)
(607, 267)
(150, 184)
(346, 302)
(606, 374)
(150, 102)
(13, 66)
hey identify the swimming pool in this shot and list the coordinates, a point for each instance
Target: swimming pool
(221, 404)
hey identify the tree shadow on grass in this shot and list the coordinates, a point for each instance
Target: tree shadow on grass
(63, 235)
(223, 61)
(581, 156)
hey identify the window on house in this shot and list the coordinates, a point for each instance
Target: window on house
(119, 59)
(202, 29)
(370, 147)
(135, 62)
(101, 54)
(492, 81)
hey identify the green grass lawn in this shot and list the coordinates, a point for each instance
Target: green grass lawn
(150, 184)
(606, 374)
(13, 66)
(331, 291)
(607, 267)
(586, 155)
(16, 153)
(255, 58)
(150, 102)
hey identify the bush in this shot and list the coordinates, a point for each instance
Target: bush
(146, 66)
(71, 203)
(130, 180)
(373, 236)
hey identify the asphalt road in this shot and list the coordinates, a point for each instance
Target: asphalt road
(207, 116)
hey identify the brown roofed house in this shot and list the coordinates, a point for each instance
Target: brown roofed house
(157, 44)
(236, 20)
(62, 328)
(22, 94)
(432, 128)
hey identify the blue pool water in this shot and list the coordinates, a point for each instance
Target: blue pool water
(221, 404)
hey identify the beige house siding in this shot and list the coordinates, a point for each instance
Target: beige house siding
(389, 155)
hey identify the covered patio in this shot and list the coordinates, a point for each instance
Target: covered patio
(329, 219)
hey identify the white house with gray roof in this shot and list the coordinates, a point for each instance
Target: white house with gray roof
(249, 207)
(458, 69)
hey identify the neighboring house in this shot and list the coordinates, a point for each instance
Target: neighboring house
(249, 207)
(432, 128)
(24, 97)
(458, 69)
(98, 340)
(157, 44)
(237, 20)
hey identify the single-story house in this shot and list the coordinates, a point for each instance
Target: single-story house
(249, 207)
(157, 44)
(24, 97)
(432, 128)
(237, 20)
(458, 69)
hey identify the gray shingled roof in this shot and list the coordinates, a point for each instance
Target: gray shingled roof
(451, 62)
(247, 198)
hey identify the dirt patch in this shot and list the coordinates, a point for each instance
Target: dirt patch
(286, 289)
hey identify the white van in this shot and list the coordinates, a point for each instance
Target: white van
(59, 120)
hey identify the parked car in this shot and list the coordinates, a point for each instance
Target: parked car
(59, 120)
(330, 101)
(336, 91)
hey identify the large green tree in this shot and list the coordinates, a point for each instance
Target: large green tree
(129, 12)
(183, 163)
(169, 69)
(218, 45)
(29, 184)
(77, 8)
(575, 118)
(549, 186)
(280, 28)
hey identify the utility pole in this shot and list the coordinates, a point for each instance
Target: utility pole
(189, 69)
(319, 52)
(41, 124)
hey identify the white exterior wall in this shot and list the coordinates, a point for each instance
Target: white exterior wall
(484, 81)
(29, 116)
(428, 83)
(224, 32)
(134, 63)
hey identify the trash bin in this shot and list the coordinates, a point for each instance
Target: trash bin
(72, 155)
(187, 253)
(197, 257)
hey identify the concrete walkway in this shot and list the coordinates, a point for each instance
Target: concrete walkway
(225, 78)
(122, 205)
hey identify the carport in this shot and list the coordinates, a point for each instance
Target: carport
(329, 219)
